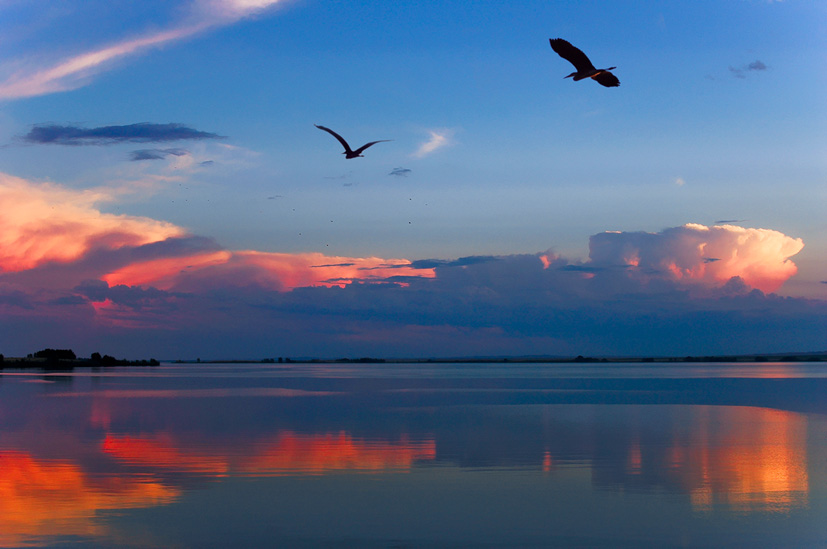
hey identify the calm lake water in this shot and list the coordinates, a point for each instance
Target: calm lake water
(416, 455)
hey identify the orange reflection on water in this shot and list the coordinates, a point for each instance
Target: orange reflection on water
(288, 453)
(57, 498)
(160, 452)
(317, 454)
(749, 458)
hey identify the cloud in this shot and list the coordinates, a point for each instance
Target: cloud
(741, 72)
(759, 256)
(44, 222)
(77, 70)
(272, 271)
(438, 140)
(679, 181)
(401, 172)
(69, 272)
(156, 154)
(143, 132)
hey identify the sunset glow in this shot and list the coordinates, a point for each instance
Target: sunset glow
(46, 222)
(288, 453)
(46, 497)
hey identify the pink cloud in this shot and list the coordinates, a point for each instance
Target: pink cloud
(44, 222)
(699, 254)
(273, 271)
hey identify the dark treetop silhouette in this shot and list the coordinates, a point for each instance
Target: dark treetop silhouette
(349, 153)
(584, 67)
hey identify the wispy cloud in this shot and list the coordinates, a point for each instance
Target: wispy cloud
(438, 139)
(106, 135)
(741, 72)
(156, 154)
(401, 172)
(76, 71)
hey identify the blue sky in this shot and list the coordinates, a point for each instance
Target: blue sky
(719, 120)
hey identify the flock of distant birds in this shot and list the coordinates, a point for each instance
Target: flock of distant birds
(581, 62)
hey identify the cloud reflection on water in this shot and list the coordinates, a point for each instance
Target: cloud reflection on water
(134, 442)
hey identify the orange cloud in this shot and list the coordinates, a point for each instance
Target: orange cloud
(696, 253)
(276, 271)
(44, 222)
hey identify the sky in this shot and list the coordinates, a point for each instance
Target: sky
(164, 192)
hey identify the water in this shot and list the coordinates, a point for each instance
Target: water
(416, 455)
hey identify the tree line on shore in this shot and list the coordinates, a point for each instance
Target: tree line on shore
(66, 358)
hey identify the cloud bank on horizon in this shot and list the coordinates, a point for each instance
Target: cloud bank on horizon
(66, 264)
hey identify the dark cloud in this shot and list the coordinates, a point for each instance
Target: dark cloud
(106, 135)
(333, 265)
(742, 71)
(156, 154)
(401, 172)
(638, 294)
(15, 298)
(69, 300)
(461, 262)
(94, 290)
(728, 221)
(581, 268)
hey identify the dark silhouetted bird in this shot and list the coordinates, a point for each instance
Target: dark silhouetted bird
(349, 153)
(584, 67)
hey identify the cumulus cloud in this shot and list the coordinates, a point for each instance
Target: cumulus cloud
(696, 253)
(44, 222)
(73, 273)
(438, 139)
(143, 132)
(77, 70)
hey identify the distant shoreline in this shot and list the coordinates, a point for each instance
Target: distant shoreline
(767, 357)
(29, 363)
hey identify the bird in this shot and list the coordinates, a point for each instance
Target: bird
(584, 67)
(350, 153)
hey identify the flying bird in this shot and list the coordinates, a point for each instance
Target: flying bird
(584, 67)
(350, 153)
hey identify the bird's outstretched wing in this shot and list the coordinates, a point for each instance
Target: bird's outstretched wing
(366, 145)
(571, 54)
(341, 139)
(607, 79)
